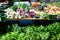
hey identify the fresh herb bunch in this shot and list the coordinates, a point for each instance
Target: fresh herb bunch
(3, 6)
(14, 7)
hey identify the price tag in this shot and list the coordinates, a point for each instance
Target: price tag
(0, 18)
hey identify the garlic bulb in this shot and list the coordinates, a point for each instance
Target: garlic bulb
(12, 14)
(16, 17)
(11, 17)
(19, 16)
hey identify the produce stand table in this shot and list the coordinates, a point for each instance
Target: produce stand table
(38, 19)
(29, 19)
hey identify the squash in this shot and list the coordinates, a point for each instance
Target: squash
(34, 4)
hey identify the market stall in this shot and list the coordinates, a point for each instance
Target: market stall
(30, 20)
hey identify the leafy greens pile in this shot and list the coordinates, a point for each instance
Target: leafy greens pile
(31, 32)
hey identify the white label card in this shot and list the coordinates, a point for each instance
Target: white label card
(0, 18)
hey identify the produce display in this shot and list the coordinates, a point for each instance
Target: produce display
(23, 31)
(20, 11)
(31, 32)
(32, 10)
(36, 10)
(52, 10)
(24, 10)
(12, 14)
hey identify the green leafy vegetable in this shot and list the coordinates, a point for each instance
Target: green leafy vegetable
(50, 32)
